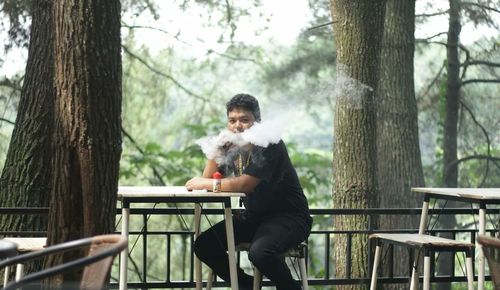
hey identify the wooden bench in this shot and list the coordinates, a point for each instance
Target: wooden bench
(24, 245)
(428, 244)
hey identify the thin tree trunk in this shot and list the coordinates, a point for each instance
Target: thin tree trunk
(450, 173)
(358, 31)
(399, 165)
(26, 176)
(87, 139)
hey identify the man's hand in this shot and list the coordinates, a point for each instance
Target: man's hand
(197, 183)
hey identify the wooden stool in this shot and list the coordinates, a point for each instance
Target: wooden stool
(428, 244)
(24, 245)
(298, 252)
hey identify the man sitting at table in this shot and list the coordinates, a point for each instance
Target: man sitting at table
(276, 216)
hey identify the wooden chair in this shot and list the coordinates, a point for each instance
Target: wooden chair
(299, 252)
(96, 264)
(491, 250)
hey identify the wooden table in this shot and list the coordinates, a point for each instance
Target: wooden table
(178, 194)
(481, 196)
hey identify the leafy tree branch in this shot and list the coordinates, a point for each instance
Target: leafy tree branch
(433, 36)
(496, 161)
(481, 6)
(151, 68)
(488, 142)
(7, 121)
(10, 84)
(434, 80)
(432, 14)
(176, 37)
(321, 25)
(481, 62)
(156, 174)
(471, 81)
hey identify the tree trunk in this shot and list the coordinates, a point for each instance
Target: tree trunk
(450, 172)
(399, 165)
(26, 175)
(87, 139)
(358, 31)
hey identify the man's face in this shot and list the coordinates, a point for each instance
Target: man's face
(239, 119)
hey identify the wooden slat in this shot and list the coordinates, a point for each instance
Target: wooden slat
(417, 240)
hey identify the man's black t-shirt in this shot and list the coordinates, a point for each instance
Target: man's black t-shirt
(279, 191)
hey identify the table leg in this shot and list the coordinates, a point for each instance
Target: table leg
(231, 251)
(124, 253)
(376, 262)
(427, 271)
(479, 247)
(423, 216)
(197, 262)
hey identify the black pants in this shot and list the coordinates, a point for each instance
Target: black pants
(270, 238)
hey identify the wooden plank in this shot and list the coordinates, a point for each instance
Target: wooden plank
(421, 240)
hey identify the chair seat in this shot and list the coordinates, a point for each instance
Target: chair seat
(295, 252)
(298, 252)
(421, 241)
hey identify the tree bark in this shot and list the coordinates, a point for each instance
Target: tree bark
(358, 27)
(399, 165)
(87, 138)
(26, 176)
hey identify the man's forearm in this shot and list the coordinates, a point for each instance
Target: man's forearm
(242, 183)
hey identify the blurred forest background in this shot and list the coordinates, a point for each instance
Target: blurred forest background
(182, 60)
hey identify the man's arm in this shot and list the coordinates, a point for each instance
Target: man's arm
(244, 183)
(210, 169)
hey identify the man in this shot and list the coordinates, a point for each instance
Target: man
(276, 215)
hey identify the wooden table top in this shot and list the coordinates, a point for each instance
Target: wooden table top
(170, 191)
(469, 193)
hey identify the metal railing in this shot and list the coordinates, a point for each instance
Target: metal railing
(160, 244)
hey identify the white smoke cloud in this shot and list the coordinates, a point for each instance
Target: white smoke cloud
(223, 147)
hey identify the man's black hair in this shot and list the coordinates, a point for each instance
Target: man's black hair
(244, 101)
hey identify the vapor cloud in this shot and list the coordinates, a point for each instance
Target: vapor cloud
(223, 147)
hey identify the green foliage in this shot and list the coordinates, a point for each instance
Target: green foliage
(164, 119)
(138, 7)
(161, 167)
(433, 172)
(17, 14)
(480, 172)
(314, 168)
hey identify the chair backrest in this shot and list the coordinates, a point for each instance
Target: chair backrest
(95, 274)
(491, 250)
(96, 264)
